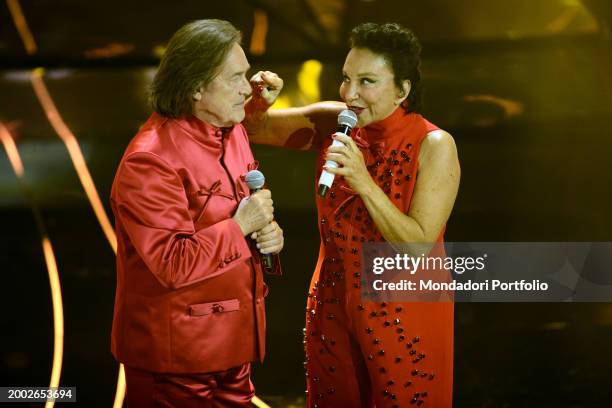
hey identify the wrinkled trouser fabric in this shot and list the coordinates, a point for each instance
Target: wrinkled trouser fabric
(229, 388)
(377, 354)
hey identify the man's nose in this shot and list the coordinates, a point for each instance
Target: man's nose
(245, 87)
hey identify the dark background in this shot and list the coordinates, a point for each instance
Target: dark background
(525, 87)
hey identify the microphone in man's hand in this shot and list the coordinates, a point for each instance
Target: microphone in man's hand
(347, 120)
(256, 180)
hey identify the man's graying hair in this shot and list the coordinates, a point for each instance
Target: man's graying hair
(192, 59)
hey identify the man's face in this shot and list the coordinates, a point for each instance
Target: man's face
(222, 102)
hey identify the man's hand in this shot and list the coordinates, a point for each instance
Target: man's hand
(270, 239)
(255, 212)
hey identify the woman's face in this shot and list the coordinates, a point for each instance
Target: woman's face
(368, 86)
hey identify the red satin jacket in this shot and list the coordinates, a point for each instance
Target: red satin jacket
(190, 292)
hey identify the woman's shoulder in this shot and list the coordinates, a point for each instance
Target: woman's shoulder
(437, 144)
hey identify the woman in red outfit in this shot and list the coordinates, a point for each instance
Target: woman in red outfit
(400, 176)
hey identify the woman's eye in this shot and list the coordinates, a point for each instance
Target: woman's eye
(366, 81)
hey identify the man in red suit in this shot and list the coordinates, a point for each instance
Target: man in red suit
(189, 310)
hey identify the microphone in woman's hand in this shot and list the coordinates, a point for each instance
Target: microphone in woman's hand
(347, 120)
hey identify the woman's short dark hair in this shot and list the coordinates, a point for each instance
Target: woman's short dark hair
(400, 48)
(192, 59)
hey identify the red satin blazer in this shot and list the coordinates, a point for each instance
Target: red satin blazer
(189, 288)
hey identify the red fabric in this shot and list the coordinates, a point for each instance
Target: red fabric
(175, 191)
(228, 388)
(365, 354)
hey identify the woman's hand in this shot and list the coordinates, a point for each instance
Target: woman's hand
(266, 87)
(351, 165)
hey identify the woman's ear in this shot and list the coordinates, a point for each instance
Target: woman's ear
(404, 91)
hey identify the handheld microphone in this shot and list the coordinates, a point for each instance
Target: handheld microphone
(256, 180)
(347, 120)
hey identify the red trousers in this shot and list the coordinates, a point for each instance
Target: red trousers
(383, 355)
(229, 388)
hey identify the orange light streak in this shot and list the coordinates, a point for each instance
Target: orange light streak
(58, 316)
(563, 21)
(80, 165)
(260, 31)
(510, 107)
(50, 262)
(76, 155)
(120, 393)
(22, 26)
(11, 150)
(259, 403)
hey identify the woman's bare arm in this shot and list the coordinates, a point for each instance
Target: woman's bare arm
(435, 191)
(298, 128)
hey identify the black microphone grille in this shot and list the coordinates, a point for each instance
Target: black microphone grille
(255, 179)
(347, 118)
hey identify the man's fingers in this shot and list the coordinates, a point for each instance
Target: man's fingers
(270, 247)
(272, 250)
(270, 231)
(264, 193)
(261, 238)
(270, 242)
(267, 229)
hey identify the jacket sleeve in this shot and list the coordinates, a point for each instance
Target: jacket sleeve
(152, 206)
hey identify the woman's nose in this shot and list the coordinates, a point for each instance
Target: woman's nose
(351, 92)
(348, 92)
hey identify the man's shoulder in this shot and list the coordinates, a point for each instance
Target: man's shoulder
(147, 137)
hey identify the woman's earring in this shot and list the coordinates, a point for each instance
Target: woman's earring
(197, 96)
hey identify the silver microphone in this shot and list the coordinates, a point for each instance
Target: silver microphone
(347, 120)
(256, 180)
